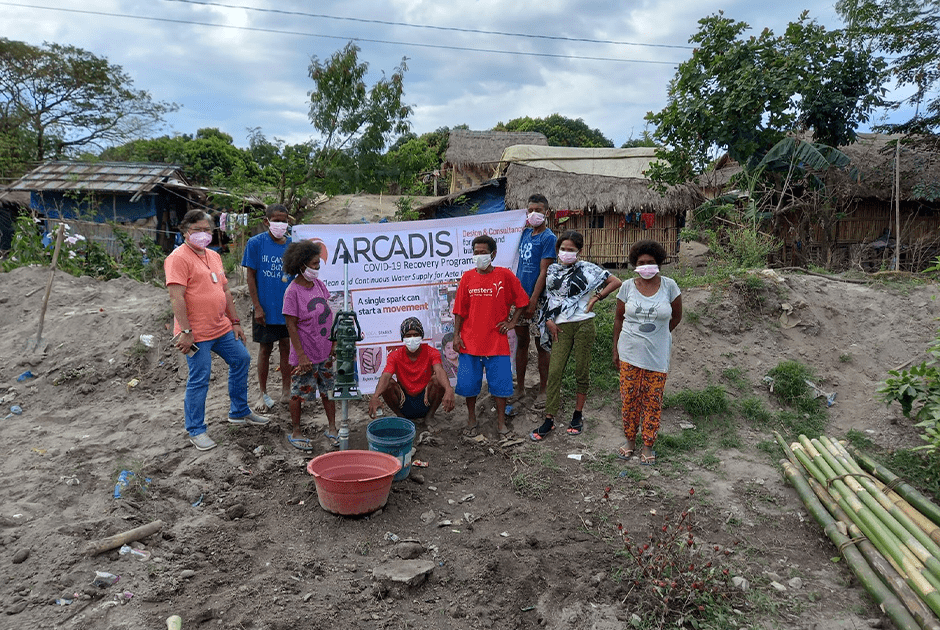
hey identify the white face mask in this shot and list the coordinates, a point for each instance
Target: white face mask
(535, 219)
(566, 258)
(647, 271)
(311, 274)
(482, 261)
(412, 343)
(277, 229)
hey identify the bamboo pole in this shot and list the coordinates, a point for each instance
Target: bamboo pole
(883, 500)
(892, 575)
(886, 599)
(897, 207)
(919, 578)
(900, 530)
(928, 526)
(910, 494)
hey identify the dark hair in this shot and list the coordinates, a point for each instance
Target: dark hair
(539, 198)
(647, 246)
(446, 339)
(488, 240)
(570, 235)
(195, 216)
(298, 254)
(274, 208)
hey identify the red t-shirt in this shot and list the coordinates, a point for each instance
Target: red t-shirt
(483, 301)
(413, 374)
(205, 299)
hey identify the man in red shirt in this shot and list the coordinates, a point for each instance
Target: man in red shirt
(481, 322)
(421, 386)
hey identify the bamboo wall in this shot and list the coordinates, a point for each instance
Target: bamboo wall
(609, 245)
(467, 176)
(920, 234)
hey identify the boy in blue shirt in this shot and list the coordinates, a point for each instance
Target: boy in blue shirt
(263, 260)
(536, 253)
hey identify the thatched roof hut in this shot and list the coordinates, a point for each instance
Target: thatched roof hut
(467, 147)
(474, 155)
(875, 161)
(602, 193)
(594, 193)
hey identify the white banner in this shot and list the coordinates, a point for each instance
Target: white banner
(409, 269)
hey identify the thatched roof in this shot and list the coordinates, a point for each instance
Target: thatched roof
(875, 161)
(597, 193)
(486, 147)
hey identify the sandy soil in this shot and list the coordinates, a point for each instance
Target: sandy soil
(246, 545)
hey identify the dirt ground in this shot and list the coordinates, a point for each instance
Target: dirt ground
(245, 544)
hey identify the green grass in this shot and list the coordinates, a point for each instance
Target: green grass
(790, 381)
(702, 403)
(736, 377)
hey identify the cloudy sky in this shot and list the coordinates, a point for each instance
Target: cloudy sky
(239, 64)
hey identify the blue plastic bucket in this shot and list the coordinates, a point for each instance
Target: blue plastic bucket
(394, 436)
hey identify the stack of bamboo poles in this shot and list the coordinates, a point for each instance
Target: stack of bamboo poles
(886, 530)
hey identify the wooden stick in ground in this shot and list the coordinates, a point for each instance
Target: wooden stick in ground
(45, 300)
(113, 542)
(883, 596)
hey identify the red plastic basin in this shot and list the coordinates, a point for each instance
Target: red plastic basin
(353, 482)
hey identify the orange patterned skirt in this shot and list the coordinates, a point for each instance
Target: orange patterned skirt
(642, 394)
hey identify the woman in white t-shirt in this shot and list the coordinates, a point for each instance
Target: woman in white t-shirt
(649, 307)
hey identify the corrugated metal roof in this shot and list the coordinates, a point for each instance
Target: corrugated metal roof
(112, 177)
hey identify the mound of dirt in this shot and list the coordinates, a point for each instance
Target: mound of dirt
(520, 536)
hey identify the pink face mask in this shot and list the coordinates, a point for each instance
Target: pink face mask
(566, 258)
(311, 274)
(535, 219)
(647, 271)
(277, 229)
(200, 240)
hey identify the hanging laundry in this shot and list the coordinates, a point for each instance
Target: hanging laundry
(223, 220)
(649, 219)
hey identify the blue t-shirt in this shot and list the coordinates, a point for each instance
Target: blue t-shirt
(533, 248)
(267, 259)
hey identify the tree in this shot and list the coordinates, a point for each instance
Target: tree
(908, 30)
(283, 166)
(412, 157)
(67, 99)
(356, 122)
(560, 131)
(743, 95)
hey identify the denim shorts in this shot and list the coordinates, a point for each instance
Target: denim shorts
(470, 375)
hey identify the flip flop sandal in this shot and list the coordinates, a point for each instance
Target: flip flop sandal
(648, 460)
(628, 455)
(575, 429)
(334, 440)
(471, 431)
(542, 432)
(301, 444)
